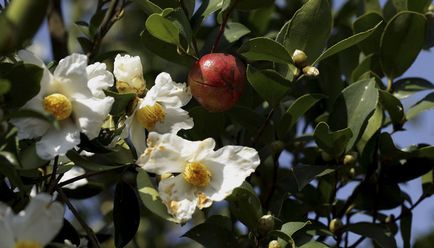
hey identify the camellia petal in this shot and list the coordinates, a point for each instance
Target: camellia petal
(29, 128)
(40, 221)
(58, 141)
(99, 79)
(70, 77)
(129, 74)
(168, 153)
(90, 113)
(137, 136)
(175, 120)
(178, 197)
(168, 92)
(230, 166)
(72, 173)
(6, 234)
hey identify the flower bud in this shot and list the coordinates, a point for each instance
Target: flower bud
(335, 225)
(311, 71)
(274, 244)
(266, 224)
(299, 58)
(350, 159)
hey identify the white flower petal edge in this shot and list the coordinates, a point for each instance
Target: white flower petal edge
(72, 173)
(205, 175)
(168, 92)
(6, 234)
(99, 79)
(39, 222)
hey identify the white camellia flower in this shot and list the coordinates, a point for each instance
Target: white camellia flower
(201, 175)
(73, 95)
(73, 173)
(34, 227)
(160, 111)
(129, 74)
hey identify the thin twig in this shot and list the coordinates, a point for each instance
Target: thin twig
(92, 237)
(87, 175)
(403, 214)
(223, 26)
(262, 128)
(360, 240)
(53, 181)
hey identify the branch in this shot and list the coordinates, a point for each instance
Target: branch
(58, 33)
(223, 26)
(92, 237)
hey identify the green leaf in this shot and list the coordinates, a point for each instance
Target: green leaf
(122, 101)
(163, 29)
(150, 197)
(405, 225)
(126, 214)
(365, 22)
(268, 84)
(353, 107)
(368, 64)
(297, 109)
(181, 22)
(234, 31)
(304, 174)
(5, 86)
(8, 169)
(212, 236)
(314, 244)
(253, 4)
(425, 104)
(394, 107)
(420, 6)
(375, 122)
(428, 183)
(400, 4)
(346, 43)
(406, 87)
(25, 83)
(292, 227)
(334, 143)
(381, 235)
(245, 205)
(309, 29)
(148, 6)
(396, 57)
(88, 164)
(85, 43)
(265, 49)
(165, 50)
(29, 158)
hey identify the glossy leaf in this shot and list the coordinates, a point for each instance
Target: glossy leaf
(292, 227)
(420, 6)
(304, 174)
(396, 57)
(88, 164)
(265, 49)
(126, 214)
(121, 103)
(150, 197)
(368, 64)
(406, 87)
(365, 22)
(245, 205)
(376, 232)
(428, 183)
(206, 124)
(353, 107)
(400, 4)
(268, 84)
(253, 4)
(425, 104)
(163, 29)
(374, 124)
(24, 81)
(309, 29)
(297, 109)
(234, 31)
(212, 235)
(332, 142)
(405, 226)
(148, 6)
(394, 107)
(346, 43)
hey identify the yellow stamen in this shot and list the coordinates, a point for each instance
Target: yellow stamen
(27, 244)
(197, 174)
(148, 116)
(58, 105)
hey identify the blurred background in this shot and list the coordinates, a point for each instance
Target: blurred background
(125, 36)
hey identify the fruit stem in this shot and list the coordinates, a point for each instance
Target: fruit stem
(389, 84)
(223, 26)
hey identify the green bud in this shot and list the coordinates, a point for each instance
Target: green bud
(335, 225)
(299, 58)
(266, 224)
(311, 71)
(274, 244)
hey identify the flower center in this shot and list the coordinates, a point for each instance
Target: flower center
(148, 116)
(58, 105)
(197, 174)
(27, 244)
